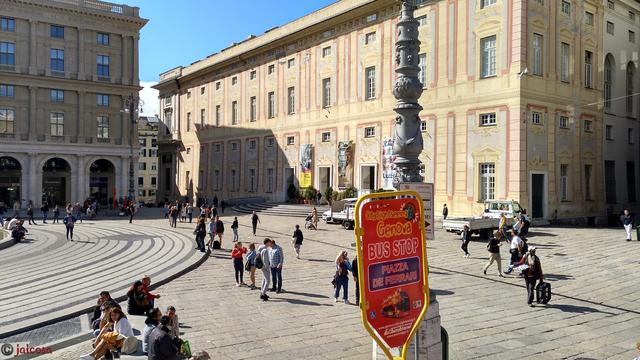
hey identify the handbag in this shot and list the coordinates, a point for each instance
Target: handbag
(247, 266)
(185, 349)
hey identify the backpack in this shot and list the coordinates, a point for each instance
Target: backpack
(65, 221)
(258, 262)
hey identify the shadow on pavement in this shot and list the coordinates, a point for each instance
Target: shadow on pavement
(442, 292)
(576, 309)
(299, 302)
(320, 260)
(307, 294)
(539, 233)
(558, 277)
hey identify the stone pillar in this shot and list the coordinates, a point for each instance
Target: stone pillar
(83, 180)
(125, 60)
(33, 131)
(81, 48)
(32, 47)
(33, 177)
(134, 73)
(124, 176)
(81, 114)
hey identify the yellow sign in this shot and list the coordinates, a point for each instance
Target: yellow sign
(305, 179)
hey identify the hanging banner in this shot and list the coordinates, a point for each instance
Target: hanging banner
(345, 164)
(306, 163)
(392, 263)
(388, 167)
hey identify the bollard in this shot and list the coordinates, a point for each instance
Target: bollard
(444, 337)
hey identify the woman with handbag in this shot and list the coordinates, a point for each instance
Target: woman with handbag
(238, 265)
(113, 336)
(341, 278)
(250, 266)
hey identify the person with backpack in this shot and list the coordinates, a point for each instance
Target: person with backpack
(234, 227)
(238, 265)
(493, 246)
(262, 263)
(254, 222)
(532, 274)
(341, 278)
(627, 222)
(251, 264)
(69, 222)
(297, 239)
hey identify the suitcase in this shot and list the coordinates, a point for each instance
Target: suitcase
(216, 244)
(543, 293)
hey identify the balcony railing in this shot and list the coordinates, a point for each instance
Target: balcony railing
(103, 6)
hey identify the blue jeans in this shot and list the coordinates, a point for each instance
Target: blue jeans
(276, 277)
(235, 234)
(342, 281)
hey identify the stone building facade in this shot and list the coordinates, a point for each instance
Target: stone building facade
(512, 107)
(65, 68)
(148, 159)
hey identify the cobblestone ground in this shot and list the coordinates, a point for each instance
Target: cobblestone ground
(594, 312)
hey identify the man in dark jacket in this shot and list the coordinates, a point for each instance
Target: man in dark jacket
(163, 346)
(354, 272)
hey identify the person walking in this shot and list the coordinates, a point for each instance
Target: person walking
(183, 213)
(173, 213)
(190, 212)
(251, 264)
(314, 217)
(354, 272)
(532, 273)
(238, 265)
(254, 222)
(494, 252)
(56, 214)
(131, 209)
(502, 226)
(515, 249)
(341, 278)
(445, 212)
(465, 237)
(219, 229)
(627, 222)
(45, 212)
(30, 214)
(297, 240)
(200, 232)
(215, 200)
(212, 231)
(69, 222)
(222, 206)
(234, 227)
(78, 210)
(262, 258)
(276, 259)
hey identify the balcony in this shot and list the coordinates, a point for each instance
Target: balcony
(103, 7)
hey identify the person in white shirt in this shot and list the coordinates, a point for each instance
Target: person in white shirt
(515, 249)
(110, 340)
(263, 256)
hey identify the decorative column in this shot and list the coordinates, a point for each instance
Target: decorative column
(125, 59)
(32, 47)
(33, 177)
(407, 144)
(82, 177)
(81, 47)
(33, 131)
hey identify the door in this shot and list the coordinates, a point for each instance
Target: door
(368, 177)
(324, 179)
(537, 195)
(289, 179)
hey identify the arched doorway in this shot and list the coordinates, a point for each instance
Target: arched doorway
(102, 176)
(10, 179)
(56, 182)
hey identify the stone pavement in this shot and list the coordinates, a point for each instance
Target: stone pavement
(594, 312)
(47, 277)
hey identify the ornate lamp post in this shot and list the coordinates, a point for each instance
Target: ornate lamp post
(131, 105)
(407, 144)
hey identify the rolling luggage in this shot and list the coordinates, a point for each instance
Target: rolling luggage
(216, 244)
(543, 293)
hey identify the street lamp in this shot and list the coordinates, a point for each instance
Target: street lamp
(131, 105)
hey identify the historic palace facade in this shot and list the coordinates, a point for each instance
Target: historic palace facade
(513, 107)
(65, 68)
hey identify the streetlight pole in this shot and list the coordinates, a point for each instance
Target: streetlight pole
(131, 106)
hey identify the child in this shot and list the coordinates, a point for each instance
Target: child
(236, 255)
(251, 260)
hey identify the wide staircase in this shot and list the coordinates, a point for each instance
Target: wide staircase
(279, 209)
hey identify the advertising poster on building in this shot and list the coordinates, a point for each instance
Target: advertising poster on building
(306, 164)
(392, 263)
(388, 167)
(345, 164)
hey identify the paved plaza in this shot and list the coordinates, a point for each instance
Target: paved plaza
(594, 312)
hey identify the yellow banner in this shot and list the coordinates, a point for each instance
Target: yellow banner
(305, 179)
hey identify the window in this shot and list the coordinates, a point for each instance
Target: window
(189, 121)
(422, 20)
(153, 181)
(271, 142)
(216, 180)
(423, 126)
(488, 119)
(563, 122)
(271, 69)
(487, 181)
(253, 108)
(564, 62)
(140, 181)
(103, 65)
(154, 167)
(233, 180)
(202, 116)
(142, 142)
(630, 136)
(56, 120)
(326, 136)
(143, 152)
(369, 38)
(234, 113)
(217, 115)
(326, 93)
(253, 144)
(608, 80)
(269, 180)
(7, 53)
(631, 74)
(103, 127)
(485, 3)
(537, 54)
(7, 117)
(57, 95)
(153, 153)
(102, 99)
(422, 63)
(588, 18)
(588, 69)
(632, 16)
(587, 125)
(154, 142)
(610, 181)
(6, 91)
(291, 63)
(8, 24)
(565, 7)
(57, 31)
(608, 132)
(103, 39)
(57, 59)
(188, 151)
(564, 183)
(202, 90)
(369, 131)
(142, 166)
(488, 60)
(291, 100)
(252, 75)
(252, 180)
(271, 105)
(631, 181)
(234, 80)
(291, 140)
(234, 146)
(370, 83)
(326, 51)
(610, 28)
(217, 148)
(536, 118)
(611, 5)
(632, 37)
(372, 18)
(218, 85)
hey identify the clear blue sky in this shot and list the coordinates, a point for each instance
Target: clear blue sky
(181, 32)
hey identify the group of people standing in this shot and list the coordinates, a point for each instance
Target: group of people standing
(268, 257)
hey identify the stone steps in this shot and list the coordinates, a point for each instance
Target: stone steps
(289, 210)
